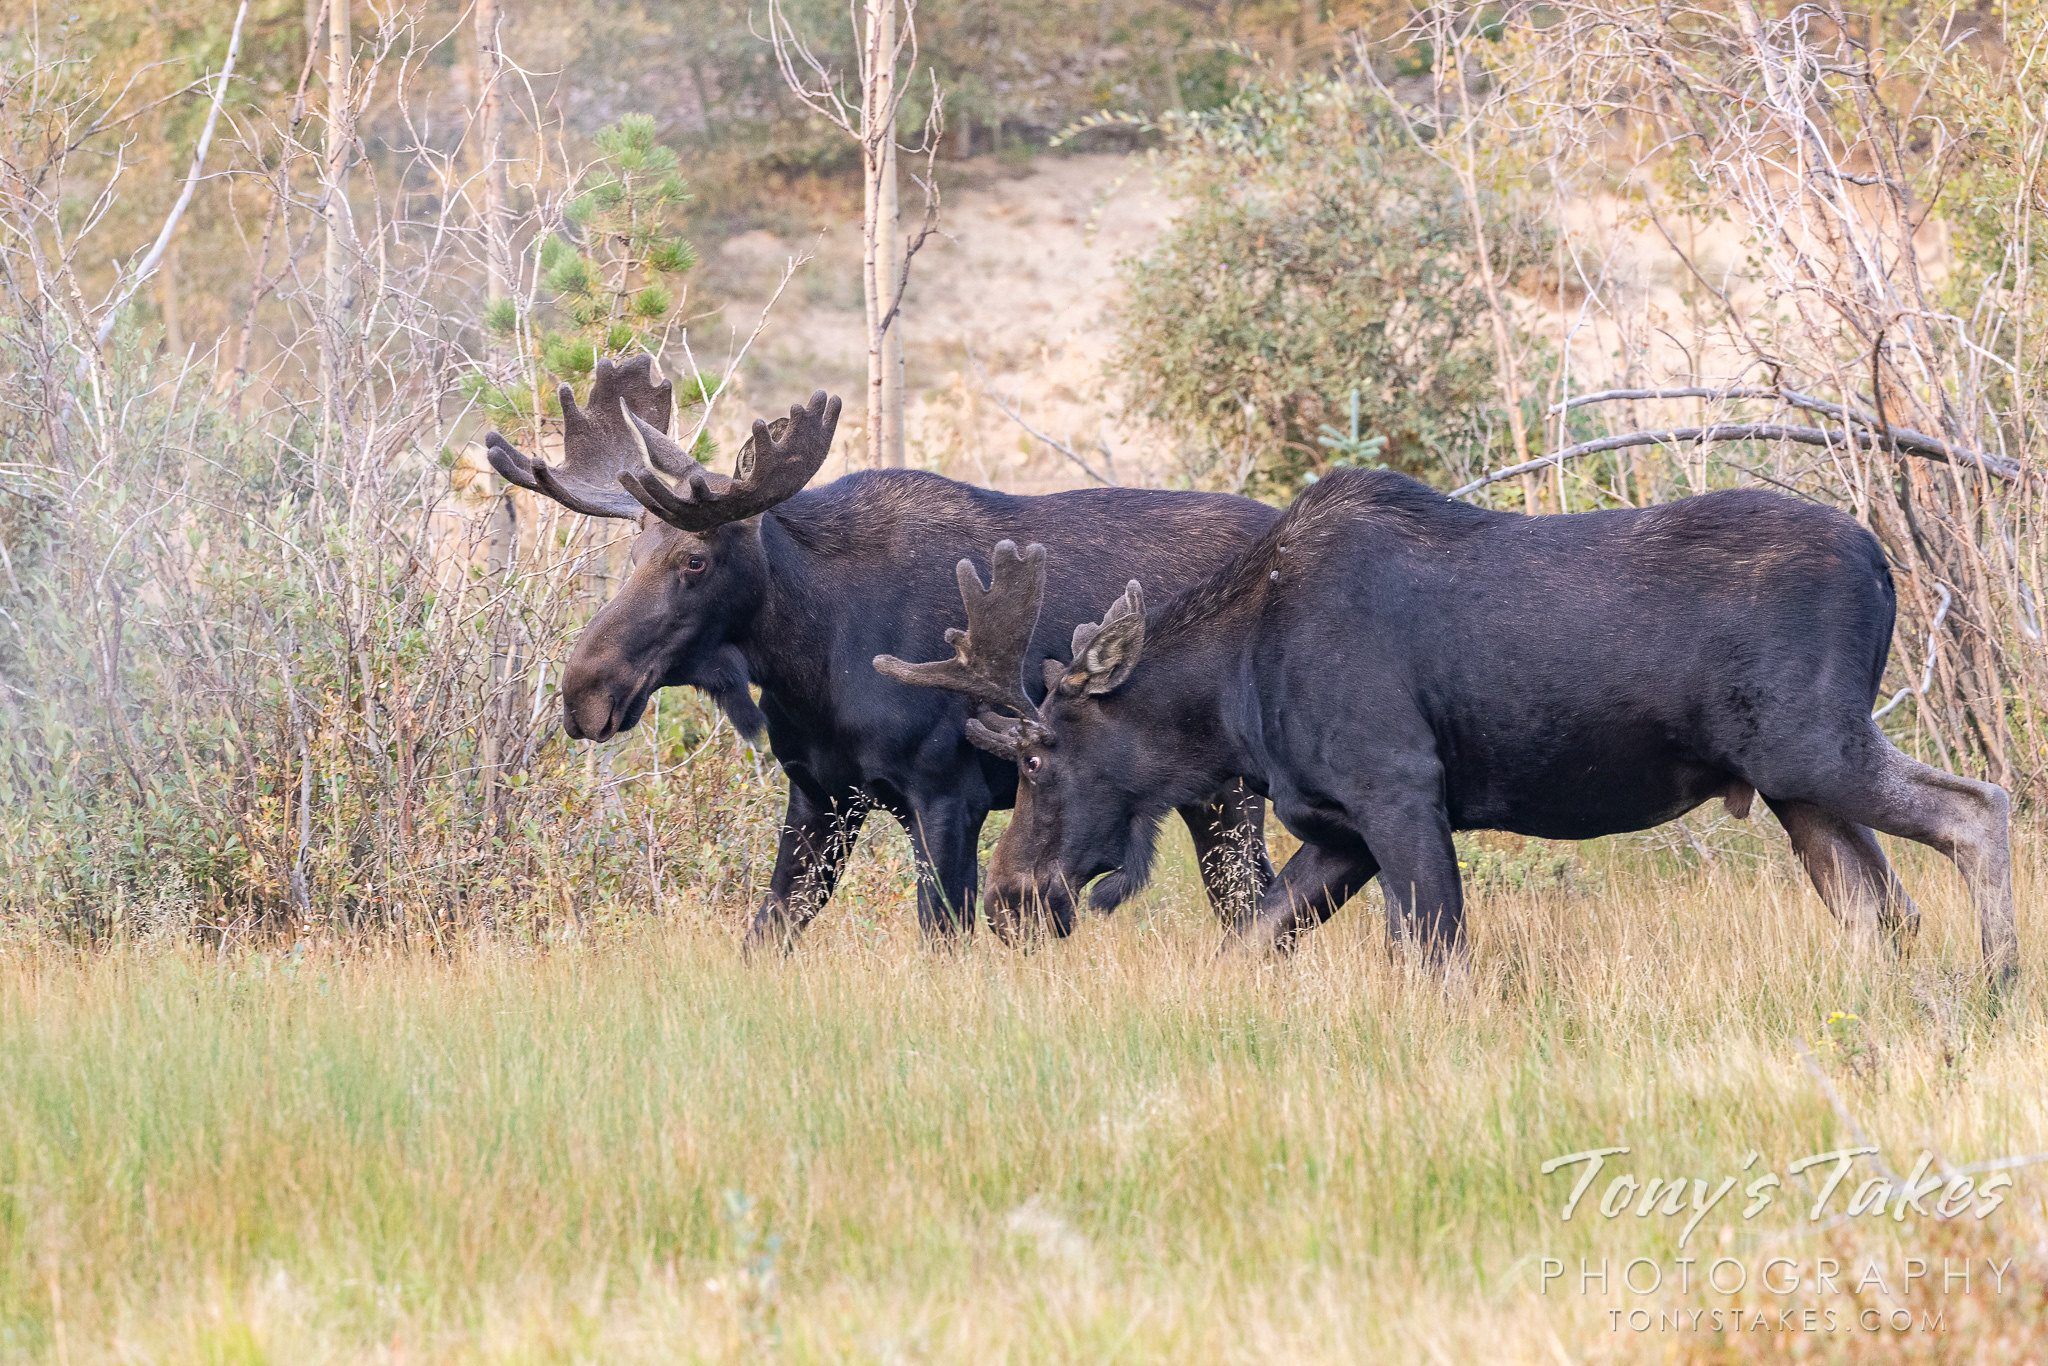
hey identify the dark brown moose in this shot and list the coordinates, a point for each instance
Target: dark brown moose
(1389, 665)
(753, 580)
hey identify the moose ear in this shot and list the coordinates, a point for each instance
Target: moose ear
(1105, 653)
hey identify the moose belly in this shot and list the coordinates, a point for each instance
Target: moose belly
(1580, 787)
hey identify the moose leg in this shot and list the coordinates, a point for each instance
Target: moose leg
(1229, 831)
(816, 838)
(1411, 837)
(1966, 820)
(942, 838)
(1850, 871)
(1307, 891)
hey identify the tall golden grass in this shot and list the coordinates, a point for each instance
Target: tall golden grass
(642, 1148)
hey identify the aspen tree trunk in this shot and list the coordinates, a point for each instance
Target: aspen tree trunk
(883, 246)
(885, 255)
(339, 273)
(890, 251)
(504, 524)
(490, 66)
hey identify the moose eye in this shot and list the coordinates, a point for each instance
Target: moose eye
(1033, 764)
(697, 564)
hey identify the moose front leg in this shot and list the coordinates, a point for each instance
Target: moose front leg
(1411, 837)
(1229, 831)
(816, 839)
(943, 835)
(1307, 891)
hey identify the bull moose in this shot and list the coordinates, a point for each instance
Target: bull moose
(755, 580)
(1389, 665)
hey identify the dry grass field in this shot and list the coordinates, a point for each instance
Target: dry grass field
(642, 1148)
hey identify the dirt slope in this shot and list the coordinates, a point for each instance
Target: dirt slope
(1018, 283)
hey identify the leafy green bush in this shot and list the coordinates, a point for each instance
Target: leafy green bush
(1321, 255)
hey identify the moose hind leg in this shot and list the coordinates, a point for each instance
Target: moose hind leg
(1967, 820)
(1849, 870)
(1229, 832)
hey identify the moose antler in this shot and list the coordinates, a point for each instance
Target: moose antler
(775, 464)
(598, 443)
(988, 657)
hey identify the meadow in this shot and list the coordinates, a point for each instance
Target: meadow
(636, 1146)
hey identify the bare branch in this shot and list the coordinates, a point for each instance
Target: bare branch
(163, 239)
(1080, 461)
(1920, 445)
(1933, 648)
(1903, 439)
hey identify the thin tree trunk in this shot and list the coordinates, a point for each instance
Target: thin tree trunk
(174, 322)
(504, 532)
(883, 248)
(870, 214)
(339, 277)
(490, 66)
(885, 257)
(890, 252)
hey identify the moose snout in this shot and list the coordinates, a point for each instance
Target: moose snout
(1021, 909)
(589, 717)
(593, 704)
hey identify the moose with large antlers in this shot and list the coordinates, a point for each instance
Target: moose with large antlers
(1389, 665)
(753, 580)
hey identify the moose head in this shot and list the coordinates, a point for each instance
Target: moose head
(698, 571)
(1083, 806)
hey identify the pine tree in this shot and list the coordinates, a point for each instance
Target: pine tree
(606, 278)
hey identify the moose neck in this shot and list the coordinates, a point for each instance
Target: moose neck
(1184, 697)
(784, 650)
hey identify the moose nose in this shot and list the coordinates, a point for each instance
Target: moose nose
(1001, 899)
(589, 718)
(589, 703)
(1021, 908)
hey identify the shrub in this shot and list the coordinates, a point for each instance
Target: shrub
(1321, 255)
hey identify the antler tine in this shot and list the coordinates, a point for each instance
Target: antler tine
(988, 657)
(597, 443)
(774, 465)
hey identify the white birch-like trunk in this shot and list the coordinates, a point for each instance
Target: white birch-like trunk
(490, 113)
(882, 246)
(339, 273)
